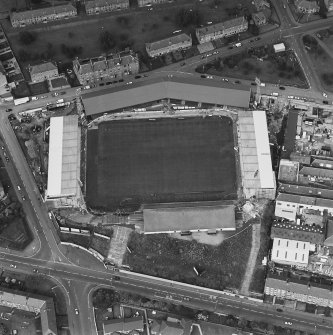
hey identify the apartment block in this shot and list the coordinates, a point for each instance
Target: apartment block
(222, 29)
(103, 6)
(106, 67)
(43, 15)
(142, 3)
(173, 43)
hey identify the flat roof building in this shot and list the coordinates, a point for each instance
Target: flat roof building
(188, 217)
(43, 71)
(183, 89)
(64, 157)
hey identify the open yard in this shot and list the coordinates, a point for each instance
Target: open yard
(127, 28)
(220, 266)
(166, 160)
(321, 59)
(282, 68)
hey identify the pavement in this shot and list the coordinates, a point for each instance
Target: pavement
(77, 283)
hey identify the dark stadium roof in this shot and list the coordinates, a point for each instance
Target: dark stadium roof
(190, 89)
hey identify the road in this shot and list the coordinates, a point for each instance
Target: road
(77, 283)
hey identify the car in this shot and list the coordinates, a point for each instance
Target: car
(325, 102)
(203, 76)
(62, 93)
(3, 148)
(18, 187)
(215, 52)
(251, 41)
(225, 79)
(12, 266)
(129, 83)
(253, 84)
(288, 323)
(76, 311)
(231, 47)
(108, 83)
(203, 57)
(7, 159)
(209, 77)
(176, 31)
(116, 278)
(208, 55)
(282, 88)
(137, 77)
(34, 98)
(23, 198)
(182, 64)
(290, 97)
(69, 71)
(237, 82)
(43, 97)
(8, 110)
(35, 270)
(55, 94)
(121, 80)
(257, 39)
(145, 75)
(151, 8)
(101, 84)
(279, 310)
(324, 95)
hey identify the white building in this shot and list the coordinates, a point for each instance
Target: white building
(288, 205)
(291, 252)
(280, 47)
(64, 157)
(173, 43)
(222, 29)
(258, 177)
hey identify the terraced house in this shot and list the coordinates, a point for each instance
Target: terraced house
(43, 15)
(173, 43)
(102, 6)
(221, 29)
(142, 3)
(105, 68)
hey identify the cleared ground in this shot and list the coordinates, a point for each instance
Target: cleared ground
(166, 160)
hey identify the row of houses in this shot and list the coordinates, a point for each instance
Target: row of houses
(203, 34)
(92, 70)
(93, 7)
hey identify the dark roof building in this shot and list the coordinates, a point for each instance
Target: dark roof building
(189, 216)
(329, 233)
(301, 158)
(316, 172)
(322, 163)
(122, 325)
(306, 190)
(183, 89)
(297, 232)
(290, 134)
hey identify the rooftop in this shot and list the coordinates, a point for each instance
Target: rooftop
(122, 325)
(174, 39)
(100, 3)
(306, 190)
(299, 199)
(221, 26)
(43, 67)
(290, 134)
(316, 172)
(29, 14)
(292, 231)
(159, 218)
(190, 89)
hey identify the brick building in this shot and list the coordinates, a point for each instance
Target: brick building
(105, 68)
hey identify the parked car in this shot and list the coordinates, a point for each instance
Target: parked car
(325, 102)
(43, 97)
(55, 94)
(203, 76)
(288, 323)
(76, 311)
(282, 88)
(12, 266)
(137, 77)
(62, 93)
(8, 110)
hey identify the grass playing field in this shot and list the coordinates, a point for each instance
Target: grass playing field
(130, 162)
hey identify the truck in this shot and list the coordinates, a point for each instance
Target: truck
(21, 101)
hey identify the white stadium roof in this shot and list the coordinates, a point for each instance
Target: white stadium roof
(63, 156)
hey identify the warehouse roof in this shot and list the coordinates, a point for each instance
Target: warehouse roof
(306, 190)
(199, 90)
(172, 217)
(63, 156)
(29, 14)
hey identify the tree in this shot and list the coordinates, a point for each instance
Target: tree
(27, 37)
(23, 55)
(107, 41)
(3, 329)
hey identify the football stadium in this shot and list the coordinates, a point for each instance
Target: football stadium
(175, 149)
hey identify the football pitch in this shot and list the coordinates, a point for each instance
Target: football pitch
(160, 160)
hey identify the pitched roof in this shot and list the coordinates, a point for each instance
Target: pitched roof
(123, 325)
(297, 232)
(190, 89)
(43, 67)
(221, 26)
(290, 134)
(175, 39)
(299, 199)
(316, 172)
(102, 3)
(167, 328)
(301, 158)
(29, 14)
(306, 190)
(329, 233)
